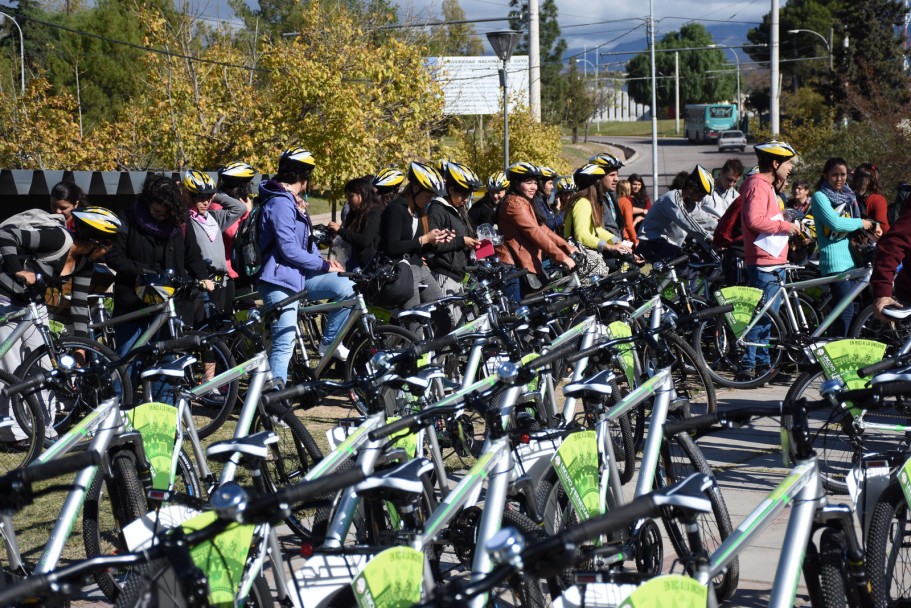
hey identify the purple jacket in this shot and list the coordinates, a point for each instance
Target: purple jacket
(284, 239)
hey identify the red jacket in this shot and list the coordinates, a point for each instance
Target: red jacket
(891, 250)
(524, 238)
(729, 232)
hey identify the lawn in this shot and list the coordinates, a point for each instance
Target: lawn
(641, 128)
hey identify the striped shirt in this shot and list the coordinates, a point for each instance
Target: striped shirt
(19, 249)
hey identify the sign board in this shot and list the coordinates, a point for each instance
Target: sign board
(471, 85)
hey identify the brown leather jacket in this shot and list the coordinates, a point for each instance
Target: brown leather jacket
(527, 240)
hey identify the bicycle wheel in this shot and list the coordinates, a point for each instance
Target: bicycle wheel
(109, 506)
(520, 589)
(290, 460)
(868, 327)
(18, 449)
(692, 381)
(835, 585)
(717, 348)
(211, 411)
(680, 458)
(888, 552)
(361, 350)
(155, 584)
(80, 394)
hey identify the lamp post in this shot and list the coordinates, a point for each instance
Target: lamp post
(597, 94)
(737, 59)
(21, 49)
(504, 43)
(828, 43)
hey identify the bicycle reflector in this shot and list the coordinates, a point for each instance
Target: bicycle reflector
(154, 289)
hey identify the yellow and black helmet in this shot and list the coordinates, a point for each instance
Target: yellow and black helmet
(775, 149)
(198, 183)
(426, 178)
(566, 184)
(497, 181)
(236, 173)
(461, 177)
(388, 180)
(702, 179)
(96, 223)
(154, 288)
(300, 156)
(752, 171)
(547, 173)
(608, 161)
(517, 172)
(587, 175)
(441, 165)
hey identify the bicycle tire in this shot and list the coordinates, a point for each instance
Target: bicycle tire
(692, 380)
(834, 583)
(156, 585)
(127, 503)
(525, 590)
(79, 397)
(681, 457)
(717, 348)
(211, 411)
(27, 413)
(866, 326)
(290, 460)
(888, 553)
(362, 348)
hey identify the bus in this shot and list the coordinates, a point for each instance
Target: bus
(704, 122)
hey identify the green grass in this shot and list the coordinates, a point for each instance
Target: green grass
(639, 128)
(578, 154)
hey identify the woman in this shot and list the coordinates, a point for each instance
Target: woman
(641, 201)
(361, 228)
(387, 185)
(235, 180)
(870, 199)
(625, 202)
(836, 214)
(485, 210)
(584, 218)
(292, 262)
(800, 197)
(526, 239)
(450, 259)
(66, 197)
(405, 233)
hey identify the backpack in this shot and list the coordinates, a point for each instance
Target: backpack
(894, 210)
(37, 219)
(246, 257)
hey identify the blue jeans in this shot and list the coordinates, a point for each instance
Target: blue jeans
(126, 335)
(762, 331)
(842, 324)
(328, 286)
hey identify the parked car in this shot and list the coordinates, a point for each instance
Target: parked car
(730, 140)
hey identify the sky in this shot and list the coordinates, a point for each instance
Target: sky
(590, 23)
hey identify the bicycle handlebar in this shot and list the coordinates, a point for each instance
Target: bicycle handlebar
(48, 470)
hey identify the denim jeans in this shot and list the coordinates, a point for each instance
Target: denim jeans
(842, 324)
(328, 286)
(126, 335)
(762, 331)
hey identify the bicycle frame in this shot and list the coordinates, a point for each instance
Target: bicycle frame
(27, 317)
(359, 312)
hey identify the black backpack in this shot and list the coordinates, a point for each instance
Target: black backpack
(246, 257)
(902, 194)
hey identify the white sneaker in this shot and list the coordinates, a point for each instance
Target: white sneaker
(341, 353)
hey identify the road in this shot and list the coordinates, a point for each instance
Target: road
(674, 155)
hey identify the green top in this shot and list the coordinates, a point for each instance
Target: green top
(834, 256)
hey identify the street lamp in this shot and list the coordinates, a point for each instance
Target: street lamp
(21, 48)
(828, 43)
(504, 43)
(737, 59)
(597, 90)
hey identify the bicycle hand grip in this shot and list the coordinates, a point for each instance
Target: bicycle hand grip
(57, 468)
(690, 425)
(35, 584)
(585, 353)
(561, 304)
(35, 381)
(677, 261)
(515, 275)
(406, 423)
(533, 300)
(434, 345)
(884, 365)
(311, 490)
(292, 392)
(551, 357)
(622, 276)
(708, 313)
(617, 519)
(178, 344)
(894, 389)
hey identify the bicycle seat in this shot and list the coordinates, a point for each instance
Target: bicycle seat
(403, 481)
(611, 303)
(173, 369)
(421, 380)
(599, 384)
(689, 494)
(424, 312)
(897, 313)
(253, 450)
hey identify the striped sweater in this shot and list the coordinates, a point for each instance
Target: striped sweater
(19, 248)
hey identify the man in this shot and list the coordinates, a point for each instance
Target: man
(765, 240)
(723, 194)
(891, 251)
(675, 217)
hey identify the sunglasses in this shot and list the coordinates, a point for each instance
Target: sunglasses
(101, 244)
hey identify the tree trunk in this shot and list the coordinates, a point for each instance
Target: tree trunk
(575, 134)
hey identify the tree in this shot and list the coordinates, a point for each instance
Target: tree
(456, 38)
(702, 77)
(579, 103)
(552, 48)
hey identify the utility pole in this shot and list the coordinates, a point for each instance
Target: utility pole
(534, 60)
(651, 46)
(773, 88)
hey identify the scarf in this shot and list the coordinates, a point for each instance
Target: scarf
(844, 198)
(158, 230)
(208, 223)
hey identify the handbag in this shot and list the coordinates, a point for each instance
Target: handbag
(392, 282)
(594, 264)
(340, 251)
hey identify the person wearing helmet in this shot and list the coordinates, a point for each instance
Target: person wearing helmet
(613, 219)
(765, 240)
(676, 217)
(405, 232)
(387, 184)
(292, 261)
(584, 221)
(208, 227)
(361, 228)
(544, 199)
(719, 199)
(448, 261)
(485, 210)
(235, 180)
(526, 239)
